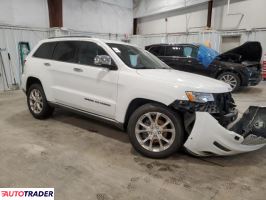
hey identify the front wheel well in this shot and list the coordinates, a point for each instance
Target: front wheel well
(232, 71)
(135, 104)
(32, 80)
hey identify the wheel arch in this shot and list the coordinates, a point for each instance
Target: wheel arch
(135, 104)
(32, 80)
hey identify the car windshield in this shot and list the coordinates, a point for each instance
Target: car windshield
(137, 58)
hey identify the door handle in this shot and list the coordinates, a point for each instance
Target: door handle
(78, 70)
(47, 64)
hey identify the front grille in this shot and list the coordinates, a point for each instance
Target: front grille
(224, 102)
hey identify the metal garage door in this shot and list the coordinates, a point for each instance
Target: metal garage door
(230, 42)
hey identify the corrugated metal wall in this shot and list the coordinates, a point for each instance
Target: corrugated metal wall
(9, 40)
(11, 36)
(213, 37)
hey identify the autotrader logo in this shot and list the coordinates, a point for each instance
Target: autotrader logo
(26, 193)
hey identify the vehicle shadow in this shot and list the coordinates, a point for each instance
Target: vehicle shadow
(90, 125)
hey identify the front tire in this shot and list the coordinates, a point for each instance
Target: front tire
(155, 131)
(37, 102)
(231, 78)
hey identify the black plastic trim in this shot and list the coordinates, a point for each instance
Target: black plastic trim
(106, 120)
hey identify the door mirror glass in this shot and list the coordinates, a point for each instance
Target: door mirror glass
(104, 60)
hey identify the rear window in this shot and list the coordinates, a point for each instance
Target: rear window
(66, 51)
(157, 51)
(45, 50)
(174, 51)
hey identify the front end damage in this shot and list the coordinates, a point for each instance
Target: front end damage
(211, 130)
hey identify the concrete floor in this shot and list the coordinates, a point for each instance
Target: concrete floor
(84, 159)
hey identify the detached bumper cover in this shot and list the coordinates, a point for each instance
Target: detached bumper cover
(208, 137)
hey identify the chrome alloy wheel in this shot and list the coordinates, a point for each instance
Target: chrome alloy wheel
(155, 131)
(36, 101)
(231, 80)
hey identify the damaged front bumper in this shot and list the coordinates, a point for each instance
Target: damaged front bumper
(208, 137)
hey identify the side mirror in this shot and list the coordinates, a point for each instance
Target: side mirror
(104, 61)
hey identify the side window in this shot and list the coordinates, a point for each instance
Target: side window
(65, 51)
(88, 51)
(190, 51)
(45, 50)
(157, 51)
(174, 51)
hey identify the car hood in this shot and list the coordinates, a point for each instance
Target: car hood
(188, 81)
(249, 51)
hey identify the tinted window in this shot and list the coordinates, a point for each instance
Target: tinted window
(157, 51)
(45, 50)
(88, 51)
(174, 51)
(137, 58)
(190, 51)
(65, 51)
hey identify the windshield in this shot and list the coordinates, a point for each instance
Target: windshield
(137, 58)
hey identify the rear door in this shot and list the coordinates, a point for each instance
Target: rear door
(174, 57)
(158, 51)
(41, 60)
(78, 83)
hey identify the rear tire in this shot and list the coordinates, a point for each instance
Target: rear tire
(155, 131)
(231, 78)
(37, 102)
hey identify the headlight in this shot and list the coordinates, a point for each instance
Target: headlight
(199, 97)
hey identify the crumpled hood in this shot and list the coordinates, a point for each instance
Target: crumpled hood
(189, 81)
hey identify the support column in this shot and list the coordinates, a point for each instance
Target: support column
(135, 26)
(55, 13)
(209, 19)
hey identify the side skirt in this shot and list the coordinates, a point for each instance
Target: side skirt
(103, 119)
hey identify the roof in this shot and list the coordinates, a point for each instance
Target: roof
(85, 38)
(172, 44)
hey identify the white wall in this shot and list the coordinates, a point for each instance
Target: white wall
(101, 16)
(253, 10)
(181, 19)
(31, 13)
(151, 7)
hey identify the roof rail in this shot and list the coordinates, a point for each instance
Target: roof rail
(71, 36)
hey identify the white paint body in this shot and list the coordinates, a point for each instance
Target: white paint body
(116, 88)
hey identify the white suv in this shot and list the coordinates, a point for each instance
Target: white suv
(129, 87)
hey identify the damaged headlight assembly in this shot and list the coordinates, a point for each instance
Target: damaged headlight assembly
(199, 97)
